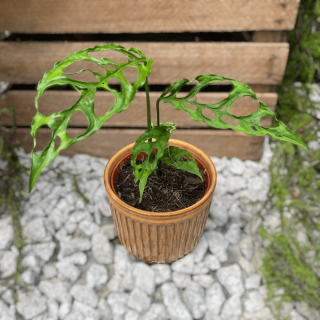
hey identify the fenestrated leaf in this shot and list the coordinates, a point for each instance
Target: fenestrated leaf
(248, 124)
(161, 135)
(58, 122)
(172, 156)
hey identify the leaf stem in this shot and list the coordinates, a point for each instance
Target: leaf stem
(158, 113)
(148, 104)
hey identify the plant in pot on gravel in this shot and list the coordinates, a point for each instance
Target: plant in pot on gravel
(154, 164)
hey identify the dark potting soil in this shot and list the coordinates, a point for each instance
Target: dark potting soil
(174, 190)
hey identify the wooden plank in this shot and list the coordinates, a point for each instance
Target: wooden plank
(268, 36)
(121, 16)
(254, 63)
(106, 142)
(135, 116)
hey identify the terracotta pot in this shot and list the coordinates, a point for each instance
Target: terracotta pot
(160, 237)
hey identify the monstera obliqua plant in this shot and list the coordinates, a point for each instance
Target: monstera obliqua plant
(157, 136)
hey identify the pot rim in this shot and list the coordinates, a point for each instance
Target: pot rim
(107, 181)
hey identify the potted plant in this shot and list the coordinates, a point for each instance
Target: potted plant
(154, 235)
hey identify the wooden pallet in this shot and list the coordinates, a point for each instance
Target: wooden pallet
(260, 63)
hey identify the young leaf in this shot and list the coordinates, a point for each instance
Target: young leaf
(161, 134)
(87, 90)
(247, 124)
(172, 156)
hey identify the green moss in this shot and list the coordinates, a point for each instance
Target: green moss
(295, 185)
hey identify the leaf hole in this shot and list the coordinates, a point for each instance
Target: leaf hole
(211, 97)
(244, 106)
(131, 74)
(79, 65)
(87, 99)
(57, 143)
(230, 121)
(186, 89)
(223, 109)
(167, 94)
(267, 122)
(43, 138)
(103, 102)
(77, 125)
(208, 113)
(254, 128)
(85, 76)
(110, 54)
(190, 106)
(54, 101)
(109, 66)
(153, 140)
(58, 118)
(140, 170)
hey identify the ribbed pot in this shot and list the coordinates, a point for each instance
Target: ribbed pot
(160, 237)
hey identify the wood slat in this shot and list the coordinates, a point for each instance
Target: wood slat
(106, 142)
(254, 63)
(135, 116)
(121, 16)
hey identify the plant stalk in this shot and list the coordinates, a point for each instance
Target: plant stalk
(158, 113)
(148, 104)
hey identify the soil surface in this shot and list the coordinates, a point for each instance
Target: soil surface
(174, 190)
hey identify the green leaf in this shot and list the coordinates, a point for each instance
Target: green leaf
(58, 122)
(247, 124)
(161, 134)
(172, 156)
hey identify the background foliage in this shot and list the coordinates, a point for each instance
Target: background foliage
(292, 260)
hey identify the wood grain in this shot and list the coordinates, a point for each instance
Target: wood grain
(135, 116)
(106, 142)
(252, 63)
(268, 36)
(121, 16)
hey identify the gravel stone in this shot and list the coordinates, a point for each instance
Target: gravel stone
(97, 276)
(200, 268)
(28, 277)
(74, 315)
(162, 273)
(88, 312)
(181, 280)
(246, 266)
(204, 280)
(233, 233)
(215, 298)
(253, 282)
(212, 262)
(102, 249)
(193, 297)
(157, 311)
(246, 247)
(294, 315)
(74, 245)
(115, 284)
(230, 278)
(184, 265)
(6, 313)
(84, 294)
(232, 309)
(118, 303)
(210, 316)
(217, 245)
(88, 227)
(68, 270)
(44, 250)
(139, 301)
(49, 271)
(144, 278)
(131, 315)
(258, 188)
(253, 301)
(55, 289)
(175, 307)
(236, 166)
(200, 250)
(31, 303)
(218, 212)
(121, 260)
(235, 183)
(36, 231)
(8, 263)
(53, 309)
(104, 310)
(6, 233)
